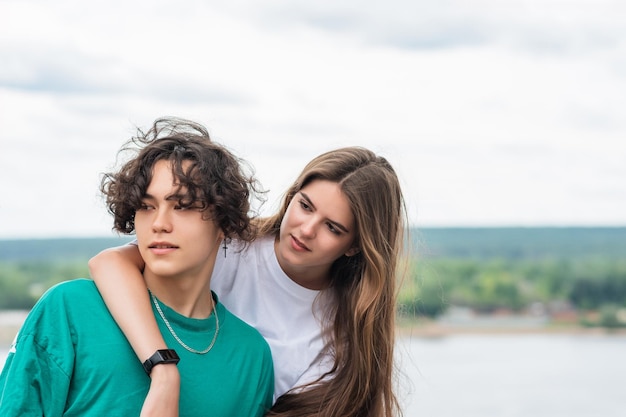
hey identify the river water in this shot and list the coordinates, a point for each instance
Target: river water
(514, 376)
(510, 375)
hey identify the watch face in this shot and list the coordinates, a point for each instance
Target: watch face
(160, 356)
(168, 354)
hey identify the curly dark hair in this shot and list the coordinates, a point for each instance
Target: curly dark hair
(208, 176)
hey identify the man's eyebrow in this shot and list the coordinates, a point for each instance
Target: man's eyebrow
(175, 196)
(169, 197)
(335, 223)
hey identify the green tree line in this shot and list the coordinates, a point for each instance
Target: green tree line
(433, 285)
(485, 270)
(429, 288)
(28, 267)
(22, 283)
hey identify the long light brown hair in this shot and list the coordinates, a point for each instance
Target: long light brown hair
(362, 319)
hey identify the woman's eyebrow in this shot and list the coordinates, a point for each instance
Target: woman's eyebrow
(337, 224)
(308, 200)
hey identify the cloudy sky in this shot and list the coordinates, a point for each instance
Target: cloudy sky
(493, 112)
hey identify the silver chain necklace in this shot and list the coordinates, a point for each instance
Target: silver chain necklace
(183, 344)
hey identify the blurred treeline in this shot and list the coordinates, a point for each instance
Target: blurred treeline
(564, 274)
(29, 267)
(551, 271)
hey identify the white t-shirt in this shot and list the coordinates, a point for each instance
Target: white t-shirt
(251, 284)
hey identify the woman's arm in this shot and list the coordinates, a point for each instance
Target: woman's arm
(164, 394)
(117, 274)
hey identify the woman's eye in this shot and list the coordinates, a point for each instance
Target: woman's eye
(304, 205)
(333, 229)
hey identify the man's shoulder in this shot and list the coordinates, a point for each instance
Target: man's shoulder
(242, 330)
(74, 285)
(238, 324)
(61, 305)
(79, 288)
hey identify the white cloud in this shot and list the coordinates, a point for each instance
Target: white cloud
(492, 112)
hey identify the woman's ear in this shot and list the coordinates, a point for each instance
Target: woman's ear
(352, 251)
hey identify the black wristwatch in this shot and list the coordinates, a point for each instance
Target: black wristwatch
(161, 356)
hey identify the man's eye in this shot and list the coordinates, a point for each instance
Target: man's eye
(188, 207)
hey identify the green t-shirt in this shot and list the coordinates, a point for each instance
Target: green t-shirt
(71, 359)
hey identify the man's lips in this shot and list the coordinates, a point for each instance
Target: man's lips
(162, 248)
(162, 245)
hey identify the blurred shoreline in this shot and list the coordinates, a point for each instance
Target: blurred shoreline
(496, 326)
(11, 321)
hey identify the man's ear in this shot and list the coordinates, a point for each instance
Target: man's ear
(352, 251)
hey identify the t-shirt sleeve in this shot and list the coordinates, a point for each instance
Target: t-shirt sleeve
(36, 375)
(32, 383)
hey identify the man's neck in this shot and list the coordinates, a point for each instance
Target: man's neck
(188, 296)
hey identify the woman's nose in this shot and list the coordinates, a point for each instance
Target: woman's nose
(308, 227)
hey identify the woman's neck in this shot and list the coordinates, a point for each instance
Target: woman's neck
(310, 277)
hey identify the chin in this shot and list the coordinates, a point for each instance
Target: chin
(164, 271)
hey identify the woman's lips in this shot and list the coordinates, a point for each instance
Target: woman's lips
(298, 245)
